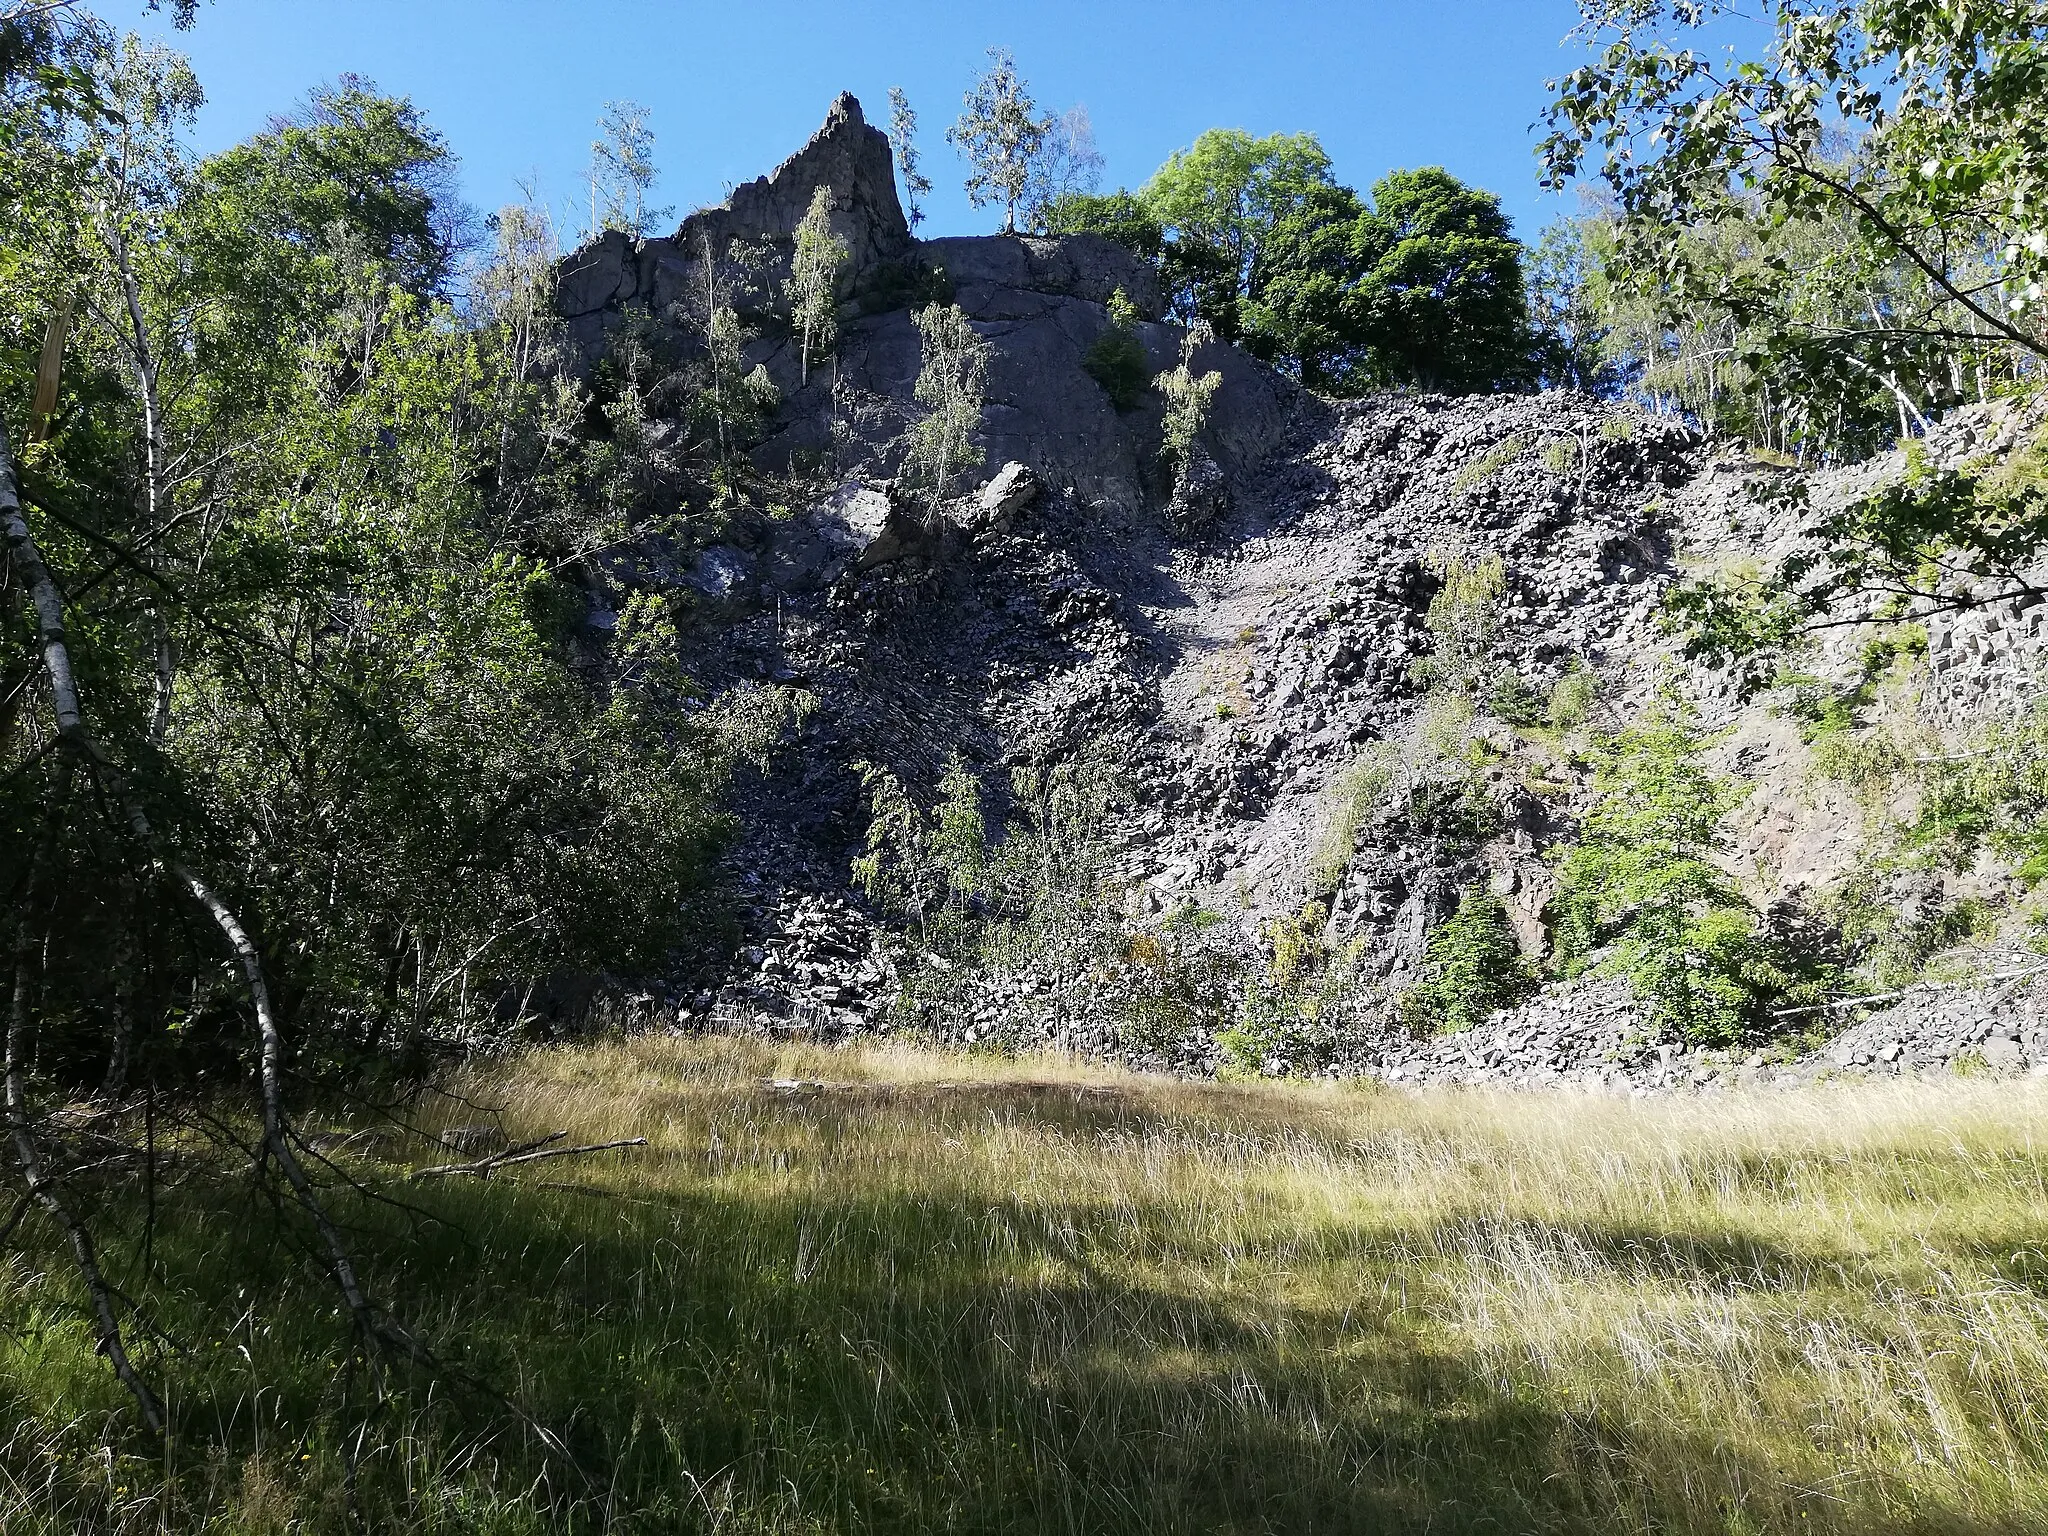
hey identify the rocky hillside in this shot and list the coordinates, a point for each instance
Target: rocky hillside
(1237, 662)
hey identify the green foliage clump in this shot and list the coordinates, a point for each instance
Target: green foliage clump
(1423, 287)
(1641, 894)
(1463, 620)
(1219, 202)
(1572, 697)
(1891, 930)
(1117, 359)
(1510, 700)
(1826, 715)
(1188, 397)
(819, 257)
(951, 381)
(1356, 797)
(1293, 1003)
(1473, 964)
(1037, 898)
(1121, 216)
(1175, 980)
(1825, 244)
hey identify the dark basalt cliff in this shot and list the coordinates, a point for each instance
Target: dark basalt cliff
(1235, 672)
(1042, 301)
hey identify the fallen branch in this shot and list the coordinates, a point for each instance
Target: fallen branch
(533, 1152)
(1918, 987)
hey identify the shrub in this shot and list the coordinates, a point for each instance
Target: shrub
(1290, 1007)
(1357, 797)
(1463, 622)
(1513, 702)
(1642, 883)
(1571, 698)
(1475, 967)
(1039, 897)
(1117, 360)
(1175, 978)
(1188, 397)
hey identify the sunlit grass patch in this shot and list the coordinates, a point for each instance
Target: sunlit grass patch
(903, 1290)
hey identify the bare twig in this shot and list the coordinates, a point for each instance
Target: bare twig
(484, 1167)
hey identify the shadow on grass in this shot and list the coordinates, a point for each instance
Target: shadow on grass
(754, 1351)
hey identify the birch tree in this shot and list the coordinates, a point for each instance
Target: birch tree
(1068, 165)
(951, 383)
(813, 286)
(375, 770)
(903, 135)
(622, 171)
(1001, 136)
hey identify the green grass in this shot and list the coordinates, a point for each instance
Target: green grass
(968, 1295)
(1492, 462)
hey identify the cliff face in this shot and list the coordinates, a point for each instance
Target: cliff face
(1042, 302)
(846, 155)
(1234, 673)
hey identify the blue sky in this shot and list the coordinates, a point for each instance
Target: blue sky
(517, 85)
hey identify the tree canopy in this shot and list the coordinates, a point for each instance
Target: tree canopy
(1849, 221)
(1421, 285)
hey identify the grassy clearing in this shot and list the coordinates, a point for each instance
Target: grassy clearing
(959, 1294)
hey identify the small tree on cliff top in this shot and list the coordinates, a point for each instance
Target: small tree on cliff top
(903, 135)
(622, 171)
(1002, 136)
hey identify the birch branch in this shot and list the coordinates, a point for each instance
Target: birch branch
(1913, 991)
(50, 623)
(533, 1152)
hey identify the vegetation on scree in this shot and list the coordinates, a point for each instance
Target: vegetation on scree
(333, 747)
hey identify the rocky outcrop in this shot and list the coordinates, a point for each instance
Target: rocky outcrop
(1041, 302)
(595, 284)
(845, 155)
(987, 271)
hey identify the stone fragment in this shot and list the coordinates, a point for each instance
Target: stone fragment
(1014, 488)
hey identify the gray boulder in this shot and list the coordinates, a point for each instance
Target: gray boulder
(997, 504)
(857, 528)
(604, 272)
(718, 572)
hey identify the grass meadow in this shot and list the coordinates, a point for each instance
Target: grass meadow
(963, 1294)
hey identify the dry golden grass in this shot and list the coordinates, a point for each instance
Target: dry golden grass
(970, 1294)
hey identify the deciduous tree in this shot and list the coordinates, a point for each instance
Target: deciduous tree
(1002, 136)
(813, 287)
(903, 136)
